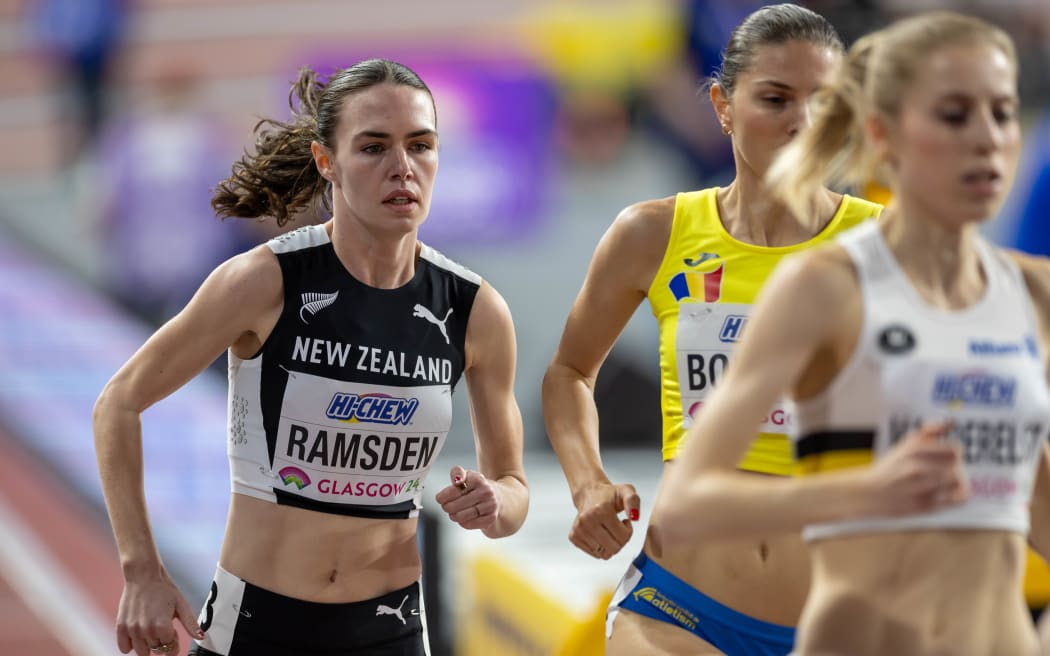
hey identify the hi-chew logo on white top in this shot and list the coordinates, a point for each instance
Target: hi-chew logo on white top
(732, 328)
(376, 408)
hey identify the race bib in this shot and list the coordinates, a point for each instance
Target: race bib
(707, 334)
(341, 442)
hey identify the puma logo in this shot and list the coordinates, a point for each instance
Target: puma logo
(383, 609)
(420, 311)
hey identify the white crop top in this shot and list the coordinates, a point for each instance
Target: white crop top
(981, 367)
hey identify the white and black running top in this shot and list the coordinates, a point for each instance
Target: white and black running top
(348, 402)
(981, 367)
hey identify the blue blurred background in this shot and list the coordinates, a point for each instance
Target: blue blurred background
(117, 117)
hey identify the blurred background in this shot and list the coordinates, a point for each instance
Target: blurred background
(117, 118)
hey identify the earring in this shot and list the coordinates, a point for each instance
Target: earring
(726, 130)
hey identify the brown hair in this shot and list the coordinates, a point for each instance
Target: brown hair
(280, 178)
(774, 24)
(877, 71)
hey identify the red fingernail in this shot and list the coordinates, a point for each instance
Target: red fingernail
(633, 514)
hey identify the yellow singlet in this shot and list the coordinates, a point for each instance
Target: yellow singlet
(701, 297)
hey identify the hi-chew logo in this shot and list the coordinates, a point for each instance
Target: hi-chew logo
(732, 328)
(974, 388)
(294, 476)
(376, 408)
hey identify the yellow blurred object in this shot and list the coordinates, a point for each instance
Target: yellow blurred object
(588, 637)
(509, 616)
(1037, 581)
(876, 193)
(609, 45)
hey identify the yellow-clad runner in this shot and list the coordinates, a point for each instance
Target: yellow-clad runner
(701, 296)
(700, 258)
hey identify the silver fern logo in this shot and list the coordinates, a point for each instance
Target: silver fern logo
(314, 302)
